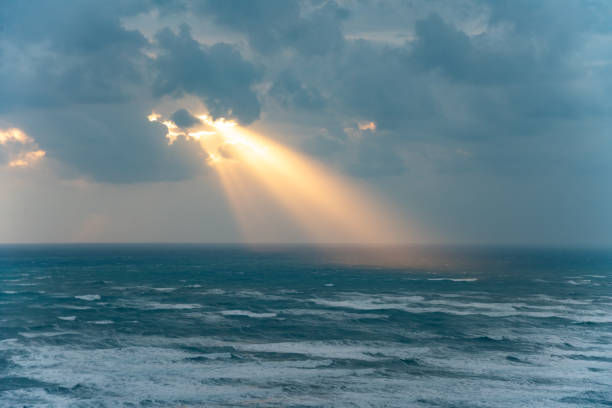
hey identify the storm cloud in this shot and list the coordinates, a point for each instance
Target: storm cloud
(455, 91)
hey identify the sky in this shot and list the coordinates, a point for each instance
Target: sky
(466, 122)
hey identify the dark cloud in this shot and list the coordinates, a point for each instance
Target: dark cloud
(292, 93)
(75, 63)
(311, 28)
(219, 75)
(113, 143)
(59, 54)
(479, 73)
(184, 119)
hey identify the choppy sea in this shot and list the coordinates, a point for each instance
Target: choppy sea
(218, 326)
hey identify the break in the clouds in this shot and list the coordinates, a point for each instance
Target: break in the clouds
(445, 93)
(433, 72)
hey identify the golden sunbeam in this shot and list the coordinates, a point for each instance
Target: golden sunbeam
(327, 207)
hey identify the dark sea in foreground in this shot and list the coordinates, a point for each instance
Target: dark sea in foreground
(217, 326)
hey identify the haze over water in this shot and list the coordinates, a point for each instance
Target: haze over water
(296, 326)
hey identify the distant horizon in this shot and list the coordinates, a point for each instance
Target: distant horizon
(323, 244)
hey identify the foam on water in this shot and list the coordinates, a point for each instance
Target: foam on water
(170, 306)
(271, 329)
(246, 313)
(88, 297)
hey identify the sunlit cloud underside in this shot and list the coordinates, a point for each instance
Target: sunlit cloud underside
(20, 148)
(326, 207)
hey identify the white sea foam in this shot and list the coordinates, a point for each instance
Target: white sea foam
(454, 279)
(418, 304)
(579, 282)
(364, 351)
(365, 302)
(9, 292)
(101, 322)
(68, 318)
(74, 307)
(332, 314)
(170, 306)
(164, 289)
(204, 379)
(250, 293)
(193, 286)
(88, 297)
(246, 313)
(32, 335)
(214, 292)
(568, 301)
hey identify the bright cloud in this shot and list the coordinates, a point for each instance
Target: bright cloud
(20, 149)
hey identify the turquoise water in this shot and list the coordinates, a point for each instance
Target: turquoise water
(208, 326)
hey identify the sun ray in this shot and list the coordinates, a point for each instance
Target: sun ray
(324, 205)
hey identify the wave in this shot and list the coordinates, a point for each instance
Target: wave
(171, 306)
(101, 322)
(419, 305)
(33, 335)
(74, 307)
(332, 315)
(89, 298)
(247, 313)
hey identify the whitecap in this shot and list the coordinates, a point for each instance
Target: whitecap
(88, 297)
(9, 292)
(215, 292)
(73, 307)
(31, 335)
(579, 282)
(364, 351)
(171, 306)
(246, 313)
(164, 289)
(68, 318)
(101, 322)
(454, 279)
(332, 314)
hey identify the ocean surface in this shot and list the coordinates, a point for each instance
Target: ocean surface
(218, 326)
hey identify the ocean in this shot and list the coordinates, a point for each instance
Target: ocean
(298, 326)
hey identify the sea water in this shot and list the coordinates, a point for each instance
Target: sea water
(217, 326)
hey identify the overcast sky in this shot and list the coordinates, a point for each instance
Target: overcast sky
(482, 122)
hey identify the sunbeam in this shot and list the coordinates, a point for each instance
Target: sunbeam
(327, 207)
